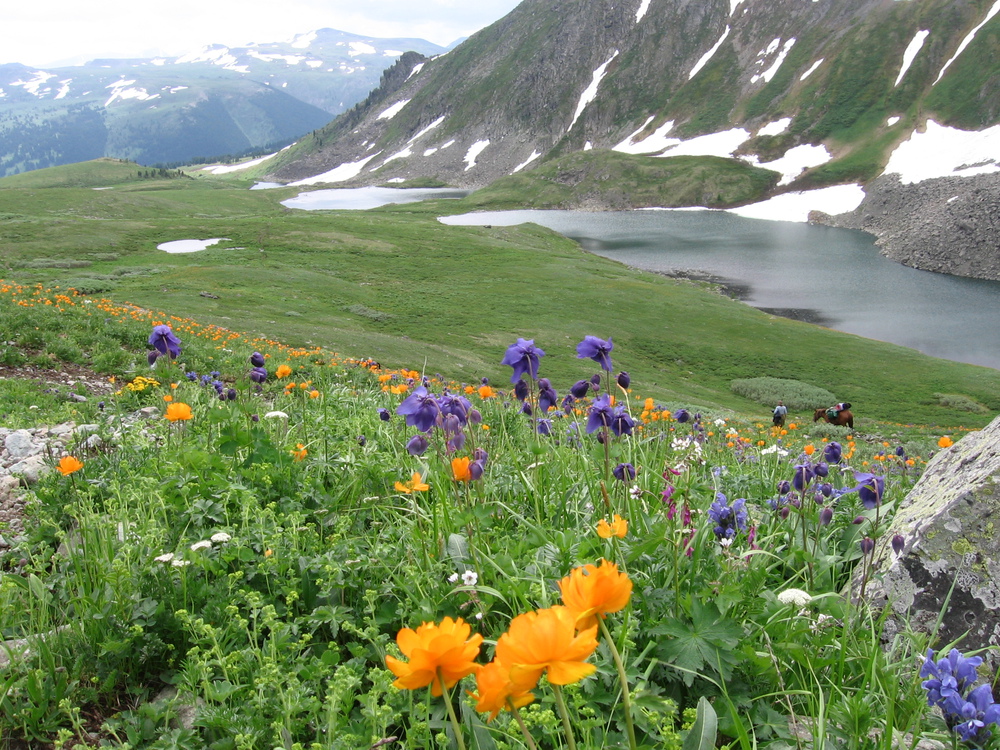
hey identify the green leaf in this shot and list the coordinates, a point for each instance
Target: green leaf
(702, 734)
(709, 639)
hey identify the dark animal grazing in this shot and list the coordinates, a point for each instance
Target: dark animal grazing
(844, 417)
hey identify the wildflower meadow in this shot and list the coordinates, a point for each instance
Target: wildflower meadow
(276, 547)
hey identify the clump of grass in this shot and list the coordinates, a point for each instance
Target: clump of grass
(960, 403)
(795, 394)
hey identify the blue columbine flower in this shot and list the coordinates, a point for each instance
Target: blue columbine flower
(164, 341)
(601, 413)
(258, 374)
(416, 445)
(547, 396)
(728, 519)
(833, 452)
(870, 489)
(523, 357)
(682, 415)
(624, 472)
(596, 349)
(580, 388)
(621, 422)
(257, 359)
(420, 409)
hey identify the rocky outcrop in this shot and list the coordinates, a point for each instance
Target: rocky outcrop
(946, 580)
(948, 225)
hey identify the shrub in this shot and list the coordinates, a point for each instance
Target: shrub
(960, 403)
(795, 394)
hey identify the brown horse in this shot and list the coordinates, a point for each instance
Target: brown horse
(844, 417)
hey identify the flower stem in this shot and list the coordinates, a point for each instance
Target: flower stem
(626, 698)
(520, 722)
(567, 727)
(451, 712)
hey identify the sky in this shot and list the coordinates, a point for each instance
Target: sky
(46, 33)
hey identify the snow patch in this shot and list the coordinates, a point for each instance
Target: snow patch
(796, 161)
(392, 53)
(430, 151)
(288, 59)
(965, 42)
(708, 55)
(474, 151)
(188, 246)
(392, 111)
(406, 152)
(34, 84)
(227, 168)
(643, 7)
(590, 93)
(655, 142)
(338, 174)
(768, 74)
(64, 88)
(892, 121)
(733, 5)
(360, 48)
(812, 69)
(122, 89)
(416, 69)
(426, 130)
(911, 52)
(302, 41)
(945, 152)
(526, 162)
(833, 200)
(776, 128)
(714, 144)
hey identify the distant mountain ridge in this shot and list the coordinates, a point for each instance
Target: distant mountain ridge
(823, 92)
(220, 100)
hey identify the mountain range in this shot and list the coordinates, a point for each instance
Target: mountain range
(215, 102)
(897, 99)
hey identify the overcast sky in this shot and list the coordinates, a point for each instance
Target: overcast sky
(48, 32)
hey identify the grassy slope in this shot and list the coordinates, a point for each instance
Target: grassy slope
(397, 285)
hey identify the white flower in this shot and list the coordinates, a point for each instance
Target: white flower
(726, 541)
(719, 423)
(452, 578)
(220, 537)
(774, 449)
(204, 544)
(470, 578)
(165, 558)
(636, 491)
(276, 414)
(180, 563)
(479, 615)
(795, 597)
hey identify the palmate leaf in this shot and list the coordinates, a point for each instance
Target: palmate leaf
(708, 641)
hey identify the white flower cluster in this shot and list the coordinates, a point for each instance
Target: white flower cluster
(795, 597)
(219, 537)
(469, 578)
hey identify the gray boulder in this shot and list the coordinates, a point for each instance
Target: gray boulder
(947, 577)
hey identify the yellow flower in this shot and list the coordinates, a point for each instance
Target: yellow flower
(435, 652)
(178, 411)
(495, 688)
(546, 640)
(416, 484)
(618, 527)
(283, 371)
(69, 464)
(945, 442)
(592, 591)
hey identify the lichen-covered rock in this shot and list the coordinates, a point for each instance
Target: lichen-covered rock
(947, 577)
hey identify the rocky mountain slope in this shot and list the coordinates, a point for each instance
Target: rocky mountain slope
(822, 92)
(215, 102)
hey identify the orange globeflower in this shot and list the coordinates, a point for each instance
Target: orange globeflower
(283, 371)
(486, 392)
(435, 651)
(300, 452)
(495, 688)
(416, 484)
(69, 464)
(592, 591)
(460, 469)
(618, 527)
(178, 411)
(945, 442)
(809, 449)
(546, 640)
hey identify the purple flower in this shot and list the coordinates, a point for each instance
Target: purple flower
(547, 397)
(257, 359)
(682, 415)
(601, 413)
(420, 409)
(624, 472)
(543, 426)
(821, 469)
(475, 416)
(455, 405)
(258, 374)
(520, 390)
(416, 445)
(596, 349)
(898, 542)
(867, 545)
(384, 415)
(802, 476)
(231, 394)
(832, 452)
(523, 357)
(621, 422)
(164, 341)
(784, 487)
(728, 519)
(580, 388)
(825, 516)
(624, 380)
(870, 489)
(151, 357)
(476, 470)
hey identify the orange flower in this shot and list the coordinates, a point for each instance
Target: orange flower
(809, 449)
(460, 469)
(435, 652)
(618, 527)
(593, 591)
(178, 411)
(945, 442)
(416, 484)
(300, 452)
(313, 394)
(168, 398)
(69, 464)
(486, 392)
(546, 640)
(495, 688)
(283, 371)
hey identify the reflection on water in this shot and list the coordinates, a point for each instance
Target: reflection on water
(834, 277)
